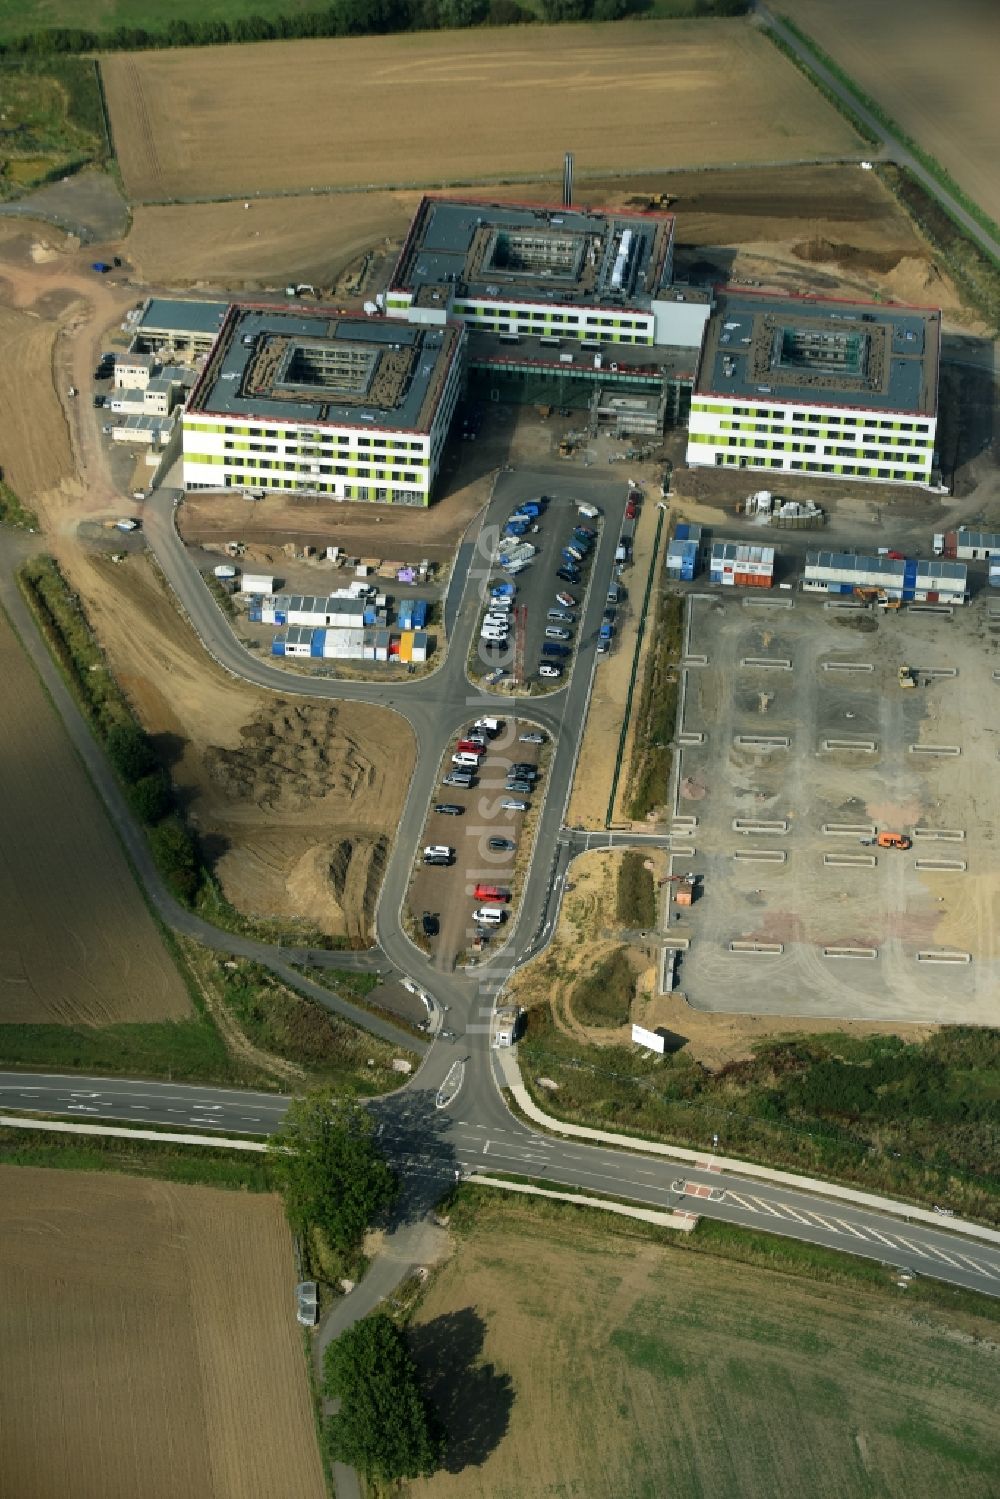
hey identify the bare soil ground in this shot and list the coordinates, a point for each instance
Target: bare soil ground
(150, 1342)
(220, 121)
(77, 943)
(296, 801)
(936, 81)
(588, 931)
(584, 1360)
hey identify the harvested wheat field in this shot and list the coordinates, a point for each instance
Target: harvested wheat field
(296, 801)
(77, 943)
(293, 115)
(569, 1357)
(932, 68)
(35, 450)
(150, 1345)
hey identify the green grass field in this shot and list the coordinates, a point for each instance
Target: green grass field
(51, 121)
(585, 1356)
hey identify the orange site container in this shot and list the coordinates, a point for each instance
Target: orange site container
(406, 646)
(752, 580)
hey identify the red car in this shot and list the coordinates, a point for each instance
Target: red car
(491, 892)
(631, 510)
(469, 747)
(896, 556)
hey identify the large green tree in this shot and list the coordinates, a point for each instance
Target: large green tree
(383, 1426)
(333, 1175)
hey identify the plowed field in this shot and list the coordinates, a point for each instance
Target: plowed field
(931, 67)
(432, 108)
(77, 943)
(150, 1345)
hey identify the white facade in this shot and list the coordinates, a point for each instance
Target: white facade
(133, 371)
(369, 462)
(840, 442)
(908, 580)
(529, 319)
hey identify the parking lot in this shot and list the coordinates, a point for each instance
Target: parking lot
(798, 747)
(490, 845)
(538, 585)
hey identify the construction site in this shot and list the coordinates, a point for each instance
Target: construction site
(834, 795)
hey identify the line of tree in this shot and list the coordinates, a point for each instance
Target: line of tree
(346, 18)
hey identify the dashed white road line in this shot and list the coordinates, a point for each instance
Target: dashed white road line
(795, 1213)
(892, 1243)
(941, 1255)
(915, 1247)
(765, 1207)
(975, 1265)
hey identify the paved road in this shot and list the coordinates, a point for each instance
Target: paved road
(476, 1132)
(893, 148)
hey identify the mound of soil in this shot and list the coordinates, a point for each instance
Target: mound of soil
(288, 758)
(819, 251)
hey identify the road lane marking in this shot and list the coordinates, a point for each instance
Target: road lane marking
(764, 1207)
(940, 1252)
(826, 1224)
(915, 1247)
(850, 1228)
(875, 1234)
(795, 1213)
(486, 1147)
(975, 1265)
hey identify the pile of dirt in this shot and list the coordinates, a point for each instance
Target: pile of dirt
(291, 756)
(820, 251)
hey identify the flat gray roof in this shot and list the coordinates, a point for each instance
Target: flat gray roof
(515, 252)
(891, 567)
(821, 353)
(283, 364)
(169, 315)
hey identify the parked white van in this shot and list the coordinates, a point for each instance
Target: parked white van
(466, 759)
(489, 915)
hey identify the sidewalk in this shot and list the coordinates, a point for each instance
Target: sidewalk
(702, 1159)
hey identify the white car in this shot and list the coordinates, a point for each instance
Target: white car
(488, 915)
(556, 632)
(497, 621)
(545, 670)
(510, 805)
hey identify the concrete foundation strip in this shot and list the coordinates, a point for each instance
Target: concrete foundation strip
(996, 676)
(948, 835)
(690, 737)
(941, 866)
(768, 603)
(760, 855)
(758, 949)
(935, 749)
(694, 661)
(753, 825)
(684, 822)
(937, 955)
(686, 853)
(850, 952)
(938, 671)
(850, 861)
(843, 604)
(861, 746)
(848, 666)
(762, 741)
(932, 609)
(849, 829)
(767, 663)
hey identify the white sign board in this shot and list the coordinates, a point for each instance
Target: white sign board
(649, 1039)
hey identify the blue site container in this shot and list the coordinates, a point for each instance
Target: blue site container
(681, 534)
(277, 647)
(370, 614)
(280, 617)
(317, 642)
(255, 615)
(419, 613)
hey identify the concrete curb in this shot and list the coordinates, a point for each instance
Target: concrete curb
(215, 1142)
(683, 1222)
(512, 1076)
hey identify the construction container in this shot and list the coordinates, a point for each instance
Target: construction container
(734, 565)
(976, 546)
(224, 572)
(682, 560)
(420, 611)
(684, 893)
(257, 583)
(420, 645)
(901, 579)
(406, 647)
